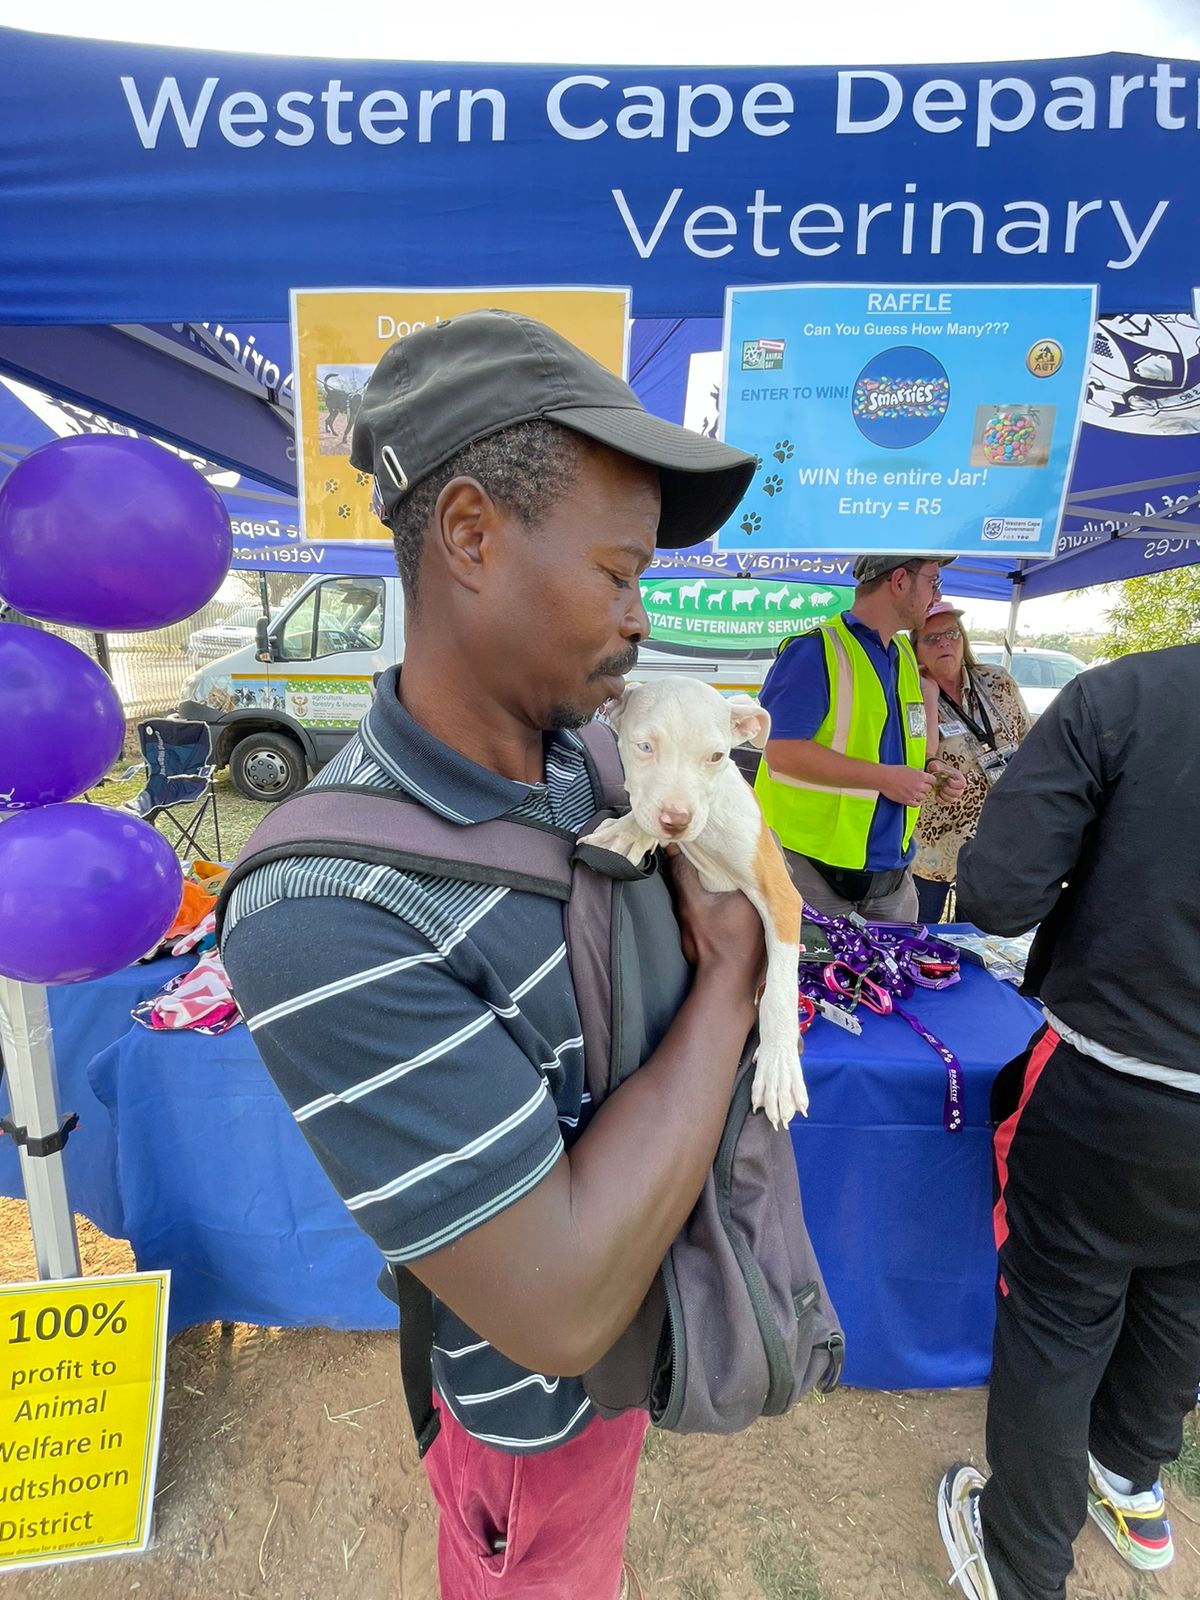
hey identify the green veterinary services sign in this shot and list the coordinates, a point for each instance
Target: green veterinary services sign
(737, 614)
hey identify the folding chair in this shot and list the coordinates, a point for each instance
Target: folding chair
(179, 773)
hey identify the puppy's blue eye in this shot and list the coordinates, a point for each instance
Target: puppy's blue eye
(644, 746)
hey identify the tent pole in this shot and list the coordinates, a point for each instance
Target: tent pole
(1010, 629)
(28, 1051)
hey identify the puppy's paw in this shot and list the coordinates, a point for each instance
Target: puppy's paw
(778, 1088)
(623, 837)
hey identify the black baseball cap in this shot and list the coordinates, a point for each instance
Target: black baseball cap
(443, 387)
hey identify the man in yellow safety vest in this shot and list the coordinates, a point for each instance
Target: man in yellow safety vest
(853, 728)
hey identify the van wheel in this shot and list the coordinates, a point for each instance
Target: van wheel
(267, 767)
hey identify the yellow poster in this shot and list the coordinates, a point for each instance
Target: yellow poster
(338, 336)
(81, 1393)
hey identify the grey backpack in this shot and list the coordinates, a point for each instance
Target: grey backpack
(737, 1324)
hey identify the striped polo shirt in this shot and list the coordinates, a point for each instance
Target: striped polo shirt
(426, 1037)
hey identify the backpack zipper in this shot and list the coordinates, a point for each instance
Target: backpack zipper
(667, 1413)
(616, 1004)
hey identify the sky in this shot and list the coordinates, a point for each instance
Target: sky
(650, 32)
(1083, 612)
(642, 32)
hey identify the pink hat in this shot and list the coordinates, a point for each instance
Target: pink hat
(942, 608)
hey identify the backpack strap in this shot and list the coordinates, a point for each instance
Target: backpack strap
(416, 1356)
(351, 822)
(604, 766)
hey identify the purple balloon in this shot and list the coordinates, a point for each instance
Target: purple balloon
(62, 721)
(84, 891)
(109, 533)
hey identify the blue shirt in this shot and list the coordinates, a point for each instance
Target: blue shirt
(426, 1036)
(796, 693)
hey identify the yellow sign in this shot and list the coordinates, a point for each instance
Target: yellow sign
(81, 1392)
(338, 336)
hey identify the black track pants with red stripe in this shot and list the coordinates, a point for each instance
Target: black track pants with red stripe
(1098, 1304)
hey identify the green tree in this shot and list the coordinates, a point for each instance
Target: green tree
(1153, 612)
(1054, 641)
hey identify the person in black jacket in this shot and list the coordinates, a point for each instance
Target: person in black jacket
(1093, 834)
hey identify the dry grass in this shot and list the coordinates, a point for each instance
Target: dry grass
(1186, 1471)
(779, 1558)
(100, 1256)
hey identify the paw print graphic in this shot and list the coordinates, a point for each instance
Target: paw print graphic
(331, 485)
(773, 485)
(758, 461)
(751, 522)
(343, 511)
(362, 479)
(784, 450)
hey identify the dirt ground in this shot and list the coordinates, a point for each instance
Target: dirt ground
(287, 1473)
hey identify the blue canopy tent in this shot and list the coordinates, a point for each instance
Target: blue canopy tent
(146, 188)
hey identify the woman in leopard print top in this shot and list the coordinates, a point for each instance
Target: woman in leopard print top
(980, 713)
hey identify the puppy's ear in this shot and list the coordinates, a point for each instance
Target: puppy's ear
(613, 710)
(748, 722)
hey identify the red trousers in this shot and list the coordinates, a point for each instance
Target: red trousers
(560, 1518)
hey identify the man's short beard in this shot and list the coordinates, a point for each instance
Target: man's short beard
(565, 716)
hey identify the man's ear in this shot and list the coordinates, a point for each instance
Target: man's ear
(463, 521)
(748, 722)
(613, 710)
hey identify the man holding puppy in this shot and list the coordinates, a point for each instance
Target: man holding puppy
(853, 730)
(425, 1031)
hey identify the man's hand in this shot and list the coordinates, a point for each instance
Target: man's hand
(717, 930)
(951, 784)
(905, 785)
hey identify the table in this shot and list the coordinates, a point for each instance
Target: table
(186, 1149)
(899, 1210)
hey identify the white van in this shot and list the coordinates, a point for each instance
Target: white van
(1039, 674)
(281, 707)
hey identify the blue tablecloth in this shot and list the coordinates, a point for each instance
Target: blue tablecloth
(899, 1210)
(186, 1149)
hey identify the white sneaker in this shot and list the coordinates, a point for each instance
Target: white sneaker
(1134, 1524)
(958, 1523)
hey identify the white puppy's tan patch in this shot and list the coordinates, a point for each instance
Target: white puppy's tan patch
(675, 736)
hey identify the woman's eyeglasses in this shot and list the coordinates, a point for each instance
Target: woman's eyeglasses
(947, 634)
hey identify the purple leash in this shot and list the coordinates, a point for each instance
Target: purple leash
(885, 965)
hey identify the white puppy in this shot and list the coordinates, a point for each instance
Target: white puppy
(675, 736)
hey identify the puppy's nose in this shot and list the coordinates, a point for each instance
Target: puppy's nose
(673, 822)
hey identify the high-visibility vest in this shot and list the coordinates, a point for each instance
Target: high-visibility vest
(833, 825)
